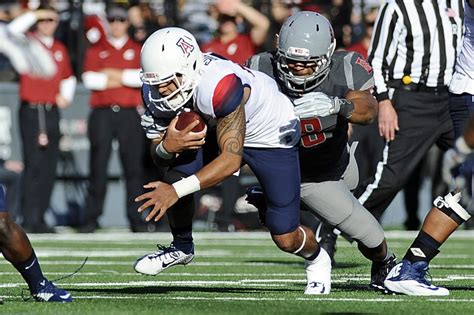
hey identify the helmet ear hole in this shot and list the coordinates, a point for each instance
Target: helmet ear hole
(162, 47)
(194, 65)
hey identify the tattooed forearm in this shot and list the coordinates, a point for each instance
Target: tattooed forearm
(231, 131)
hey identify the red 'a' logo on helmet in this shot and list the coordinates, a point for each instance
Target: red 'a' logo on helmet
(186, 47)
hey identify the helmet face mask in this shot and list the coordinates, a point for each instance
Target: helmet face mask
(176, 99)
(306, 38)
(171, 55)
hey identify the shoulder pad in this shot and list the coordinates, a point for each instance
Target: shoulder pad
(355, 70)
(262, 62)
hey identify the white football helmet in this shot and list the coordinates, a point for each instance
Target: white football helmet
(307, 37)
(167, 54)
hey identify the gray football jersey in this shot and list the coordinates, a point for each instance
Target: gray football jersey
(323, 152)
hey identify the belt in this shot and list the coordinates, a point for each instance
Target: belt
(114, 107)
(417, 87)
(35, 105)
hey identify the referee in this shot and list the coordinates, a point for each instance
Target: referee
(413, 51)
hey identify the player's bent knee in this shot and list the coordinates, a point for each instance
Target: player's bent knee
(281, 227)
(287, 242)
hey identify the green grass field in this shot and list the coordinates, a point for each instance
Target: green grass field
(233, 273)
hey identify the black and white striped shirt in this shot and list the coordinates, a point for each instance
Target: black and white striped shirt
(416, 38)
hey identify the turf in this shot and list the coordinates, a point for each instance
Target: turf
(233, 273)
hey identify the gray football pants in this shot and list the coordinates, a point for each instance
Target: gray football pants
(333, 202)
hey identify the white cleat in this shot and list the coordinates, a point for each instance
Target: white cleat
(154, 263)
(318, 274)
(410, 279)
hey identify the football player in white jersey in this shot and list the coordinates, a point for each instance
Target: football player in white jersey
(255, 124)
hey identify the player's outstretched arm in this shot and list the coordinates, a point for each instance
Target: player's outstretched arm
(365, 107)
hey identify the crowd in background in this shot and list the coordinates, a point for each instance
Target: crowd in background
(235, 29)
(257, 22)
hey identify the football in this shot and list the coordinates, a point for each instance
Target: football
(185, 118)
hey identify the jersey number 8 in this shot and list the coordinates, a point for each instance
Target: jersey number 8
(311, 132)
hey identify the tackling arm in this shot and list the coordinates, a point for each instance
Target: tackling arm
(365, 107)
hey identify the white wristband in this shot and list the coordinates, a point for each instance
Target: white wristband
(462, 147)
(187, 186)
(162, 153)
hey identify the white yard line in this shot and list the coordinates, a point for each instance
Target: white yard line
(207, 283)
(212, 236)
(115, 253)
(337, 278)
(212, 264)
(257, 299)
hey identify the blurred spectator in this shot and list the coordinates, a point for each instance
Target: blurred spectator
(278, 11)
(7, 72)
(41, 99)
(198, 17)
(362, 46)
(338, 13)
(362, 8)
(230, 43)
(111, 71)
(96, 28)
(143, 22)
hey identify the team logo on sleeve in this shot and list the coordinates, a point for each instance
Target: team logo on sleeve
(186, 47)
(364, 64)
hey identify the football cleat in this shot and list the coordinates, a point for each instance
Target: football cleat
(326, 238)
(167, 256)
(48, 292)
(379, 272)
(410, 279)
(318, 274)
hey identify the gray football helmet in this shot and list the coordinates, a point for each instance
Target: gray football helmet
(307, 37)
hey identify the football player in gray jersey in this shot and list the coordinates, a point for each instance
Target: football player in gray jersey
(329, 90)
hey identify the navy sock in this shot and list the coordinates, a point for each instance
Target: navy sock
(30, 270)
(183, 239)
(424, 248)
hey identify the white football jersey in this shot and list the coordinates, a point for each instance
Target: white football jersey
(270, 119)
